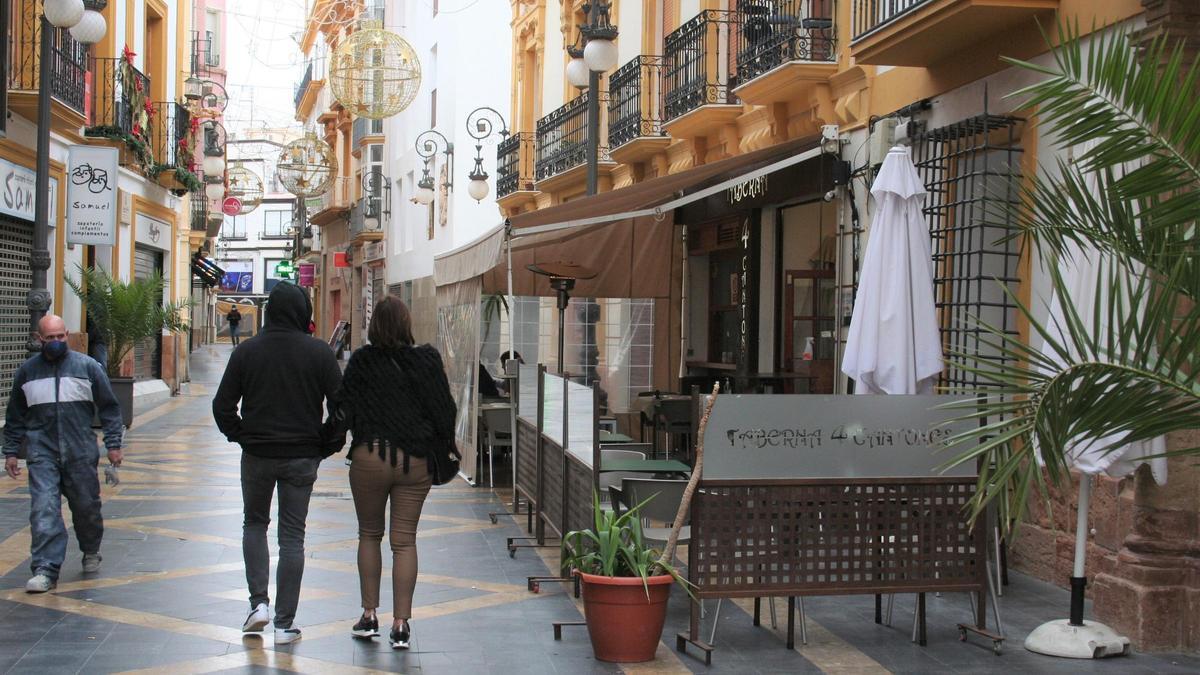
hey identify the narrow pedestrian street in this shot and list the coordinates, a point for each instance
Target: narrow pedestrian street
(171, 593)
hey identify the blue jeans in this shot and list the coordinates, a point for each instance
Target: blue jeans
(233, 333)
(294, 479)
(50, 478)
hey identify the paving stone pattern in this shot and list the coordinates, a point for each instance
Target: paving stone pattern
(171, 595)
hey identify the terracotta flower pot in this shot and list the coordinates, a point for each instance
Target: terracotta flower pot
(625, 626)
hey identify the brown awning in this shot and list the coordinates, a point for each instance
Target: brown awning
(632, 255)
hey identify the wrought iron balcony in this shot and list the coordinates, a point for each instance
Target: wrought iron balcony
(370, 214)
(635, 108)
(170, 129)
(363, 128)
(774, 32)
(112, 113)
(562, 139)
(68, 66)
(514, 165)
(925, 32)
(199, 211)
(697, 64)
(303, 85)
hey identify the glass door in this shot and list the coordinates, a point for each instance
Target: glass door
(809, 330)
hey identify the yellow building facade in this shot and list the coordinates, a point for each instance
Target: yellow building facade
(91, 106)
(753, 283)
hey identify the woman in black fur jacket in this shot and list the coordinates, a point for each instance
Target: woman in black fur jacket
(395, 401)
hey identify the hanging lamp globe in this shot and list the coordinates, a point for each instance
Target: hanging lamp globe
(63, 13)
(374, 73)
(307, 166)
(245, 185)
(90, 29)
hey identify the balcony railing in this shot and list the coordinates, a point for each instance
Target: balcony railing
(212, 58)
(68, 66)
(111, 109)
(774, 32)
(169, 130)
(871, 15)
(697, 64)
(514, 164)
(562, 138)
(363, 128)
(304, 82)
(199, 211)
(635, 108)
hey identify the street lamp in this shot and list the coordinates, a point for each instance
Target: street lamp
(55, 14)
(481, 124)
(598, 55)
(427, 146)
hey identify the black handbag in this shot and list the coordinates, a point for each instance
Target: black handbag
(445, 462)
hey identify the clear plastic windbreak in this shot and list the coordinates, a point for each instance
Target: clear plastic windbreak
(552, 408)
(581, 421)
(527, 398)
(458, 310)
(609, 342)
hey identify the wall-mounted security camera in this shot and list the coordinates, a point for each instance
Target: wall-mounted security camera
(829, 195)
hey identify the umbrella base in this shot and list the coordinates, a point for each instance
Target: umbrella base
(1088, 641)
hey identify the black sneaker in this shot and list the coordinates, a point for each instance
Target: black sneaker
(366, 628)
(400, 638)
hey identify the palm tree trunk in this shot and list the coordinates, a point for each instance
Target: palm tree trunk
(685, 504)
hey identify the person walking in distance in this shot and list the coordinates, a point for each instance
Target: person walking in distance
(281, 377)
(234, 317)
(395, 401)
(54, 397)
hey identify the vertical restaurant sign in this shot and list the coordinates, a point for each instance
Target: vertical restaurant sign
(743, 294)
(92, 195)
(17, 187)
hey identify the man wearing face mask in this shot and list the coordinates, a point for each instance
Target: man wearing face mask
(50, 410)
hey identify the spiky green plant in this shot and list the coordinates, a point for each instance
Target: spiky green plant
(615, 547)
(1122, 365)
(126, 312)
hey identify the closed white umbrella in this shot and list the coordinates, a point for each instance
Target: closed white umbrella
(1084, 273)
(893, 346)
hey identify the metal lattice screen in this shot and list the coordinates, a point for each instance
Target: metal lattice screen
(972, 171)
(16, 243)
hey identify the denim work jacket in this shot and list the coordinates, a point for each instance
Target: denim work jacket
(51, 409)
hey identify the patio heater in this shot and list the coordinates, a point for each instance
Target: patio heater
(563, 276)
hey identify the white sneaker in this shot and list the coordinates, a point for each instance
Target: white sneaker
(289, 635)
(91, 563)
(259, 618)
(40, 583)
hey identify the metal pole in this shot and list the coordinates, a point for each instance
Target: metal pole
(593, 133)
(562, 315)
(38, 299)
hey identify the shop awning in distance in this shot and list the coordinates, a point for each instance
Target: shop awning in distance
(626, 235)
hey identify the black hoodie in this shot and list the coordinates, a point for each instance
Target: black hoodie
(281, 377)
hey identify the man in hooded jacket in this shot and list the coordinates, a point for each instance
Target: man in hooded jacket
(281, 377)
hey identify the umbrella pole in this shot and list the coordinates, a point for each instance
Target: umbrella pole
(1078, 581)
(1075, 638)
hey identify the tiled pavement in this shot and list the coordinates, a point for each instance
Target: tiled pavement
(172, 593)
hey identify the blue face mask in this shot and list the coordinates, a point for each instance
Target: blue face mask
(54, 350)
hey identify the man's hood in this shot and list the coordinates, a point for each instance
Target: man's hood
(289, 308)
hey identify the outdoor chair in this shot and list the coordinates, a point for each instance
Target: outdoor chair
(612, 479)
(499, 435)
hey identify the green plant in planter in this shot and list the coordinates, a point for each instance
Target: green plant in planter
(126, 312)
(615, 548)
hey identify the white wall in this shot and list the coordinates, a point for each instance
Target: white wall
(465, 80)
